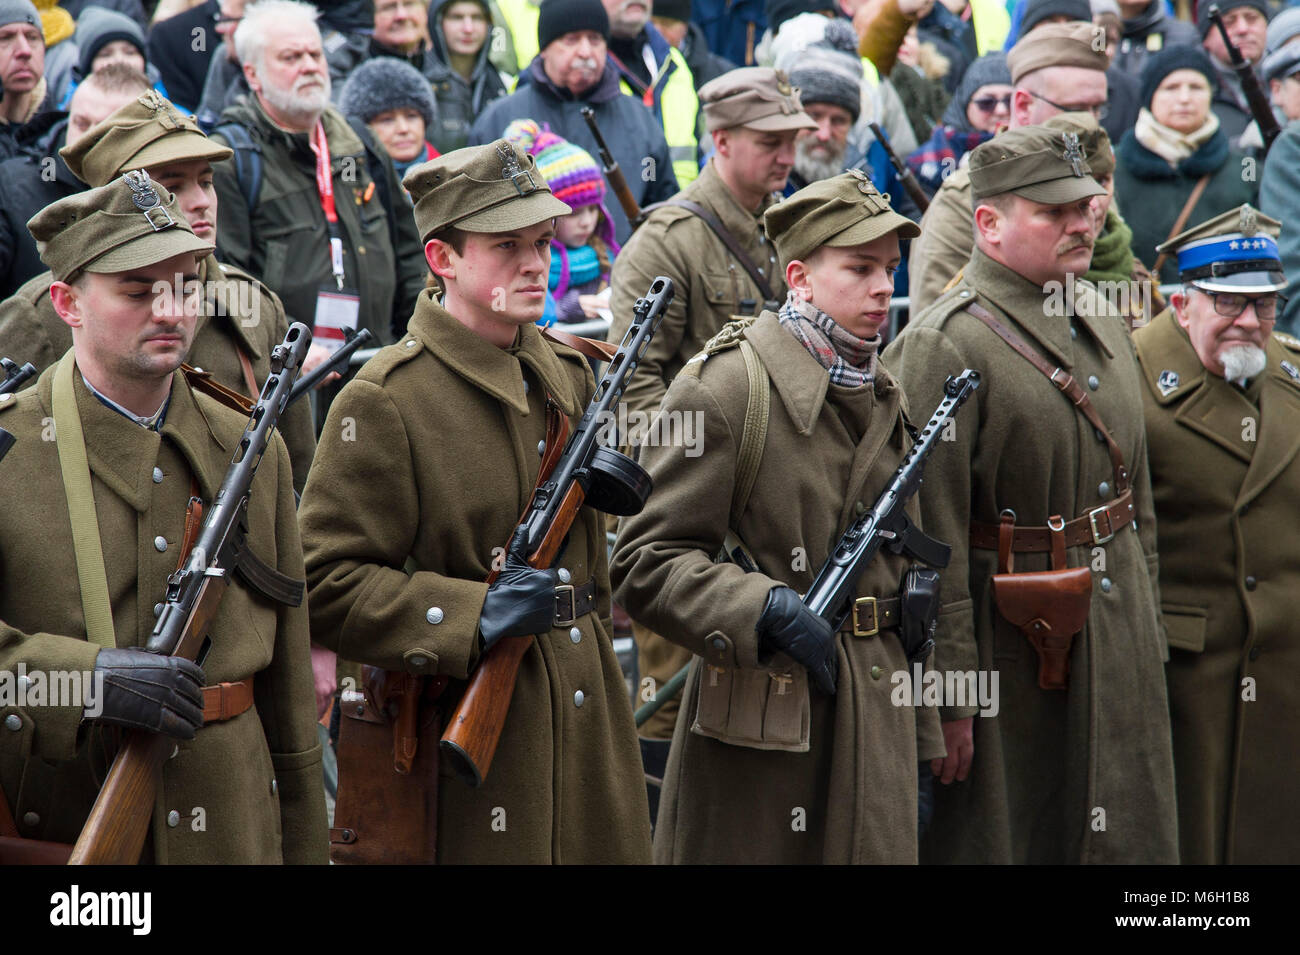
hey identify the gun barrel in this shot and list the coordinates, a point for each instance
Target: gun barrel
(15, 376)
(905, 175)
(617, 181)
(336, 361)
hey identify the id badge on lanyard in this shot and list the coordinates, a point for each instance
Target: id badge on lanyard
(325, 189)
(339, 308)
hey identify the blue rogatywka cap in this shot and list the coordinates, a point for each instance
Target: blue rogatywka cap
(1233, 252)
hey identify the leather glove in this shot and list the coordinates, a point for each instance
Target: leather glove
(521, 601)
(149, 691)
(789, 626)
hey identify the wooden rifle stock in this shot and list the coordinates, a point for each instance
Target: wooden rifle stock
(617, 181)
(1260, 107)
(905, 175)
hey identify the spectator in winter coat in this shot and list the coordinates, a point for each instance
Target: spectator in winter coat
(393, 99)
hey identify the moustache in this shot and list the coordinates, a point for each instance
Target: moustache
(1067, 249)
(585, 63)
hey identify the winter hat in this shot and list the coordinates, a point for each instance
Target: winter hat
(570, 171)
(19, 11)
(558, 17)
(1282, 28)
(989, 70)
(1171, 58)
(384, 83)
(1102, 7)
(1036, 11)
(829, 71)
(1280, 64)
(673, 9)
(1203, 23)
(779, 11)
(97, 27)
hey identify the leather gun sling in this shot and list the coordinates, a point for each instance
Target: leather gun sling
(727, 239)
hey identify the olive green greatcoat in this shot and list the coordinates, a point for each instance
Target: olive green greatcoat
(432, 454)
(255, 777)
(945, 243)
(1054, 766)
(709, 287)
(829, 452)
(1227, 496)
(239, 313)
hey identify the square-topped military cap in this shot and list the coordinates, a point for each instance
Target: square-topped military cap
(491, 188)
(1035, 162)
(1093, 140)
(844, 210)
(1233, 252)
(758, 97)
(127, 224)
(147, 132)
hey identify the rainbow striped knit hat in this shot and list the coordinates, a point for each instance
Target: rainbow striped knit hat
(570, 171)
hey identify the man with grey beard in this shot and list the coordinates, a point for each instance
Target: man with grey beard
(1222, 408)
(308, 204)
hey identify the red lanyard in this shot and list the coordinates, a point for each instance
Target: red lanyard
(325, 187)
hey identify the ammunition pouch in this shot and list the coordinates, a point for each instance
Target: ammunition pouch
(763, 708)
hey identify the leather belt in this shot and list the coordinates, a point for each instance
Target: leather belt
(870, 615)
(225, 701)
(1097, 526)
(573, 601)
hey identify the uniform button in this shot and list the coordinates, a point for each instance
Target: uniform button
(1244, 509)
(160, 544)
(418, 661)
(875, 673)
(411, 343)
(1105, 585)
(1093, 383)
(859, 508)
(157, 475)
(541, 447)
(6, 396)
(434, 615)
(157, 610)
(575, 635)
(1251, 583)
(13, 722)
(173, 818)
(31, 820)
(564, 575)
(275, 787)
(965, 293)
(578, 698)
(1254, 653)
(718, 643)
(1103, 489)
(1074, 332)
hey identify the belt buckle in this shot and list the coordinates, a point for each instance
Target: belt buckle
(565, 592)
(858, 630)
(1092, 523)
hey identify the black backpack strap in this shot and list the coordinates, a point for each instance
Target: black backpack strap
(247, 159)
(378, 175)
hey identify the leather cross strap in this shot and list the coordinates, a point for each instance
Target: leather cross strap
(250, 380)
(729, 240)
(870, 615)
(1193, 198)
(1101, 523)
(225, 701)
(204, 382)
(590, 347)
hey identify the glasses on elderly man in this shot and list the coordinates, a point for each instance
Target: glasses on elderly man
(1232, 304)
(1099, 112)
(987, 104)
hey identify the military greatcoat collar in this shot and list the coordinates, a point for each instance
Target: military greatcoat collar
(494, 370)
(122, 454)
(1034, 310)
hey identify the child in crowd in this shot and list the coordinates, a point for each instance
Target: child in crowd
(583, 250)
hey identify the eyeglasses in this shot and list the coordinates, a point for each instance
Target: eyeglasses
(218, 18)
(1099, 112)
(987, 104)
(1231, 304)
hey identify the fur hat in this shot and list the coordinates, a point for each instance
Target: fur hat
(383, 83)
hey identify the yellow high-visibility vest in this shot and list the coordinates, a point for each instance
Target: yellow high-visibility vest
(521, 18)
(680, 108)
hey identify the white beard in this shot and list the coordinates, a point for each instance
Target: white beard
(1243, 362)
(814, 168)
(302, 107)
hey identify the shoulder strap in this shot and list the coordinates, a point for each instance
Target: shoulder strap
(1193, 198)
(754, 436)
(96, 607)
(729, 240)
(204, 382)
(247, 158)
(1065, 384)
(597, 350)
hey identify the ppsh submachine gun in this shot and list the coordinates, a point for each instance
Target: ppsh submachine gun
(15, 378)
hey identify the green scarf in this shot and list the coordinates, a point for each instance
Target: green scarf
(1112, 254)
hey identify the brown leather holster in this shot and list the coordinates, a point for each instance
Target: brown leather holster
(1048, 606)
(387, 805)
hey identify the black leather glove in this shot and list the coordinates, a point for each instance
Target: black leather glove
(789, 626)
(521, 601)
(149, 691)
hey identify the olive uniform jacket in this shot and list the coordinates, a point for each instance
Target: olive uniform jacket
(1227, 496)
(240, 315)
(246, 790)
(1059, 776)
(829, 453)
(710, 286)
(431, 454)
(284, 239)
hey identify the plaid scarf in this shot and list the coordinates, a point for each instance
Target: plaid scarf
(850, 360)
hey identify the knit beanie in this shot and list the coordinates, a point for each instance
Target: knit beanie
(1036, 11)
(570, 171)
(1203, 23)
(1171, 58)
(673, 9)
(385, 83)
(19, 11)
(1282, 28)
(778, 11)
(1103, 7)
(989, 70)
(829, 71)
(97, 27)
(56, 23)
(558, 17)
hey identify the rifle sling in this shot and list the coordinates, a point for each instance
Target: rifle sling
(75, 470)
(1193, 198)
(729, 240)
(590, 347)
